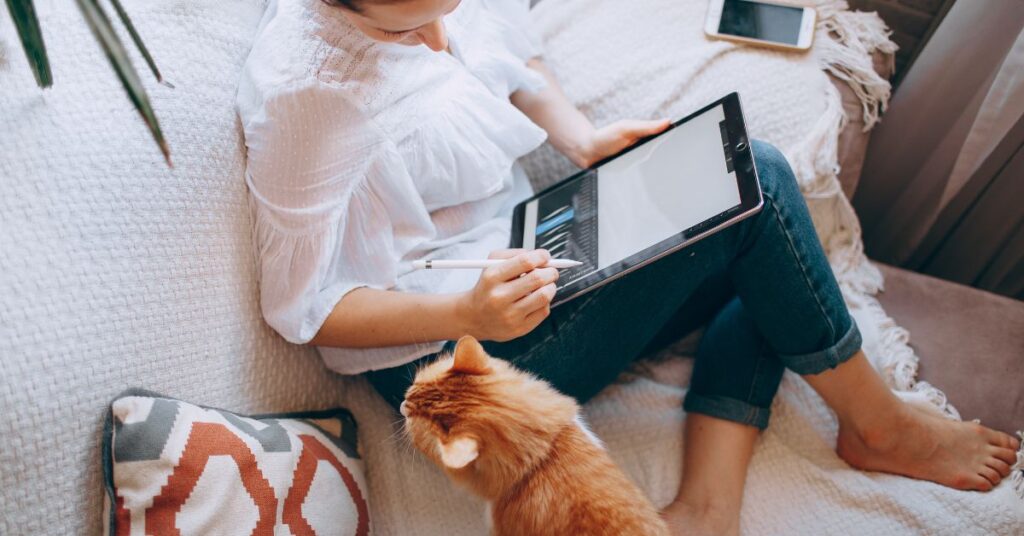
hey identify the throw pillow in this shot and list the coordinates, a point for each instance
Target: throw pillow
(174, 468)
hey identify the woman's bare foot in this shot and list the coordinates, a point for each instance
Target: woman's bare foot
(684, 519)
(961, 455)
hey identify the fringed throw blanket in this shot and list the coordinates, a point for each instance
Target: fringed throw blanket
(649, 58)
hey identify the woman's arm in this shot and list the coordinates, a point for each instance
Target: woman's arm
(508, 301)
(368, 318)
(569, 131)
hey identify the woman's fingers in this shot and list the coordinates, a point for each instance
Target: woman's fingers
(505, 253)
(497, 298)
(538, 316)
(634, 129)
(616, 137)
(537, 300)
(530, 282)
(514, 267)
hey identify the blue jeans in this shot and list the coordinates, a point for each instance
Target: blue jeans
(782, 309)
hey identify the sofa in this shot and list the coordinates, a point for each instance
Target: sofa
(117, 271)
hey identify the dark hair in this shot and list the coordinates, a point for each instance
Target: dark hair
(355, 5)
(347, 4)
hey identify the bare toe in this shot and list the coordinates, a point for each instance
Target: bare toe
(991, 475)
(1006, 455)
(999, 466)
(961, 455)
(999, 439)
(980, 483)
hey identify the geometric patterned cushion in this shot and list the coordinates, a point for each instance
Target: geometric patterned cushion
(174, 468)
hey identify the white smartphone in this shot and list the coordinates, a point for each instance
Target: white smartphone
(774, 24)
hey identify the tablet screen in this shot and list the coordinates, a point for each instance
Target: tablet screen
(636, 201)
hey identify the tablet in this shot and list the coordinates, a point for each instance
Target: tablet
(658, 196)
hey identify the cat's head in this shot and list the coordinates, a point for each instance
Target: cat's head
(482, 420)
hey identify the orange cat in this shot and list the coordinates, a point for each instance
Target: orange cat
(515, 441)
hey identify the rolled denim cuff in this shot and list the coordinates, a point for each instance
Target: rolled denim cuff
(829, 358)
(728, 409)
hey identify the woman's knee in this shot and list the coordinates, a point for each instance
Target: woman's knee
(774, 173)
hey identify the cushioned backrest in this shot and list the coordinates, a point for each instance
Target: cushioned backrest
(909, 20)
(116, 271)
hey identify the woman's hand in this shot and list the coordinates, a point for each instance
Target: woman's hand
(614, 138)
(569, 130)
(510, 299)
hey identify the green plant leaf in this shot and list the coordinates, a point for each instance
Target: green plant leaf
(123, 15)
(99, 23)
(23, 12)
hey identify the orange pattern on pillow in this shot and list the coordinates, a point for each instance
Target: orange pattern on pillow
(303, 480)
(207, 440)
(175, 469)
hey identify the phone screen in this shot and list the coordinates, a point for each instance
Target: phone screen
(756, 20)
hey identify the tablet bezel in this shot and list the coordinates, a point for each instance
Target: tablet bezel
(747, 180)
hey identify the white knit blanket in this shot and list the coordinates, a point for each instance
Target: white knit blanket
(648, 58)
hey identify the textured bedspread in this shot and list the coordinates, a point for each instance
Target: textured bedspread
(117, 272)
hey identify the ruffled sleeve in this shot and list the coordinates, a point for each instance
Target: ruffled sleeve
(500, 40)
(520, 36)
(319, 173)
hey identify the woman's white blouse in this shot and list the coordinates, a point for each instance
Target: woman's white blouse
(364, 156)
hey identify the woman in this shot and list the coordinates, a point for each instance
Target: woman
(384, 131)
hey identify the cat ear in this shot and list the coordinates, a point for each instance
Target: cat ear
(470, 357)
(458, 453)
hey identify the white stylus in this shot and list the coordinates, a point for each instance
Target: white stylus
(479, 265)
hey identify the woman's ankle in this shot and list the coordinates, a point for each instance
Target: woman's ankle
(858, 395)
(713, 516)
(876, 429)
